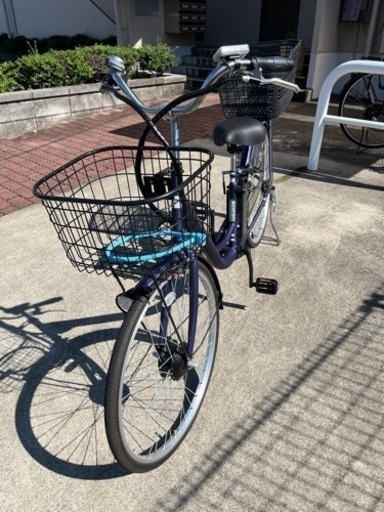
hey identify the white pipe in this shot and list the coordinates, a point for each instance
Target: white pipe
(371, 28)
(352, 66)
(10, 18)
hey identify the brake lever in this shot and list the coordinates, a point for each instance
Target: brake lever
(272, 81)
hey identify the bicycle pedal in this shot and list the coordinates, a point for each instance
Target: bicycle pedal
(266, 285)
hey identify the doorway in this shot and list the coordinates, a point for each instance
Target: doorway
(279, 19)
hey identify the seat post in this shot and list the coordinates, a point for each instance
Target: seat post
(233, 162)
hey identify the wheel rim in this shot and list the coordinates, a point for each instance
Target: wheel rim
(155, 413)
(257, 180)
(364, 100)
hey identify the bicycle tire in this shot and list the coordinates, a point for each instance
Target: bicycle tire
(363, 98)
(147, 413)
(259, 185)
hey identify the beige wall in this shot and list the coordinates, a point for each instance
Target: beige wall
(353, 36)
(145, 29)
(139, 30)
(41, 18)
(335, 42)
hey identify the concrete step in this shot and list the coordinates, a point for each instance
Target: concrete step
(193, 83)
(197, 60)
(198, 65)
(196, 71)
(204, 51)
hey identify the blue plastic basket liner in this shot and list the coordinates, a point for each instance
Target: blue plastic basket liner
(152, 246)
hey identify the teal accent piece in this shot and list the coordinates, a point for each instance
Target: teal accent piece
(188, 240)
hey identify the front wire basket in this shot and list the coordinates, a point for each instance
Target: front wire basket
(108, 225)
(263, 102)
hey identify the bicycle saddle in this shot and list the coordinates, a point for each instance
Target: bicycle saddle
(239, 131)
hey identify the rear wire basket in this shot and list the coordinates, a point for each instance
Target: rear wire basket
(241, 99)
(106, 223)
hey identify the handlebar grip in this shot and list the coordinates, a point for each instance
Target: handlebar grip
(273, 64)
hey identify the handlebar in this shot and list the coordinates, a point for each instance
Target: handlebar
(228, 60)
(117, 76)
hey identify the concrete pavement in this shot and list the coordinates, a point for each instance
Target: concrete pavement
(293, 419)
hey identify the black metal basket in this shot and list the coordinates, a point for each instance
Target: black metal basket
(241, 99)
(107, 223)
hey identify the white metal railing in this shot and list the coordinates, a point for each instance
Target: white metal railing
(322, 116)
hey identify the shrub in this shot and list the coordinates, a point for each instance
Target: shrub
(81, 40)
(20, 45)
(82, 65)
(3, 38)
(52, 69)
(97, 56)
(64, 42)
(8, 81)
(110, 41)
(54, 43)
(156, 59)
(17, 45)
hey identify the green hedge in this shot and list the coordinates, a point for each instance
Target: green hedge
(17, 46)
(80, 66)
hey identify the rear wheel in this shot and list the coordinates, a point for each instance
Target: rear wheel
(259, 184)
(363, 98)
(153, 393)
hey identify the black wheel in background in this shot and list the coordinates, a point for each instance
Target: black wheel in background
(363, 98)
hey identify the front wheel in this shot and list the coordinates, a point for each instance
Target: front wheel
(259, 186)
(153, 393)
(363, 98)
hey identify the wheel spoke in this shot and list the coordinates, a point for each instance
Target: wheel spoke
(362, 98)
(156, 406)
(262, 175)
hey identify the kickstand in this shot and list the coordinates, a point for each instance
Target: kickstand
(247, 253)
(271, 240)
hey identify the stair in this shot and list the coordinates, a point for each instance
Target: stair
(197, 66)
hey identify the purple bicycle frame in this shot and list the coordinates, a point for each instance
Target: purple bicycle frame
(220, 253)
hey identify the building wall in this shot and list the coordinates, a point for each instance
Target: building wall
(335, 42)
(324, 49)
(239, 22)
(142, 29)
(232, 22)
(138, 29)
(42, 18)
(353, 37)
(306, 22)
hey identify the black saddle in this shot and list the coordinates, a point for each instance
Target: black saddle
(239, 131)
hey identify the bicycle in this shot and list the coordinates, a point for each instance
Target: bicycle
(362, 97)
(143, 213)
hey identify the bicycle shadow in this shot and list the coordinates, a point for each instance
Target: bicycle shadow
(315, 442)
(60, 384)
(336, 147)
(212, 113)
